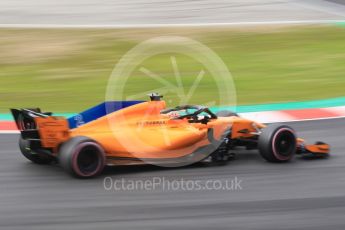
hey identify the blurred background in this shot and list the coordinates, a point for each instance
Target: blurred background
(59, 55)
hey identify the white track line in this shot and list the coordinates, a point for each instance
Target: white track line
(119, 26)
(312, 119)
(9, 132)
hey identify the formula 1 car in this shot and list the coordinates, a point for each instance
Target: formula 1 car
(139, 132)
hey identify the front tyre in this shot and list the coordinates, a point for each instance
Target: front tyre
(37, 158)
(82, 157)
(277, 143)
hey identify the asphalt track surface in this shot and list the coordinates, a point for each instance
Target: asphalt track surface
(146, 12)
(302, 194)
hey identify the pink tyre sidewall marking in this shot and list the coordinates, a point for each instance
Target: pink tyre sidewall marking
(275, 152)
(76, 154)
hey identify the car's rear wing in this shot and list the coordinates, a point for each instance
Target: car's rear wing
(41, 129)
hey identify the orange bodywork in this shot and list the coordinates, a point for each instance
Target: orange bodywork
(142, 131)
(322, 148)
(52, 130)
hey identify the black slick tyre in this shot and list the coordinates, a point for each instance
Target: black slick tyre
(82, 157)
(277, 143)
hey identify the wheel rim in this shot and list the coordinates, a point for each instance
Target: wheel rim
(88, 160)
(284, 144)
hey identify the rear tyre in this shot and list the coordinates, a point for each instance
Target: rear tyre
(277, 143)
(226, 113)
(33, 156)
(82, 157)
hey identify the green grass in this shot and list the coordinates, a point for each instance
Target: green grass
(67, 70)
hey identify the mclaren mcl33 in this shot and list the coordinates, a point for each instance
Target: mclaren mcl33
(146, 132)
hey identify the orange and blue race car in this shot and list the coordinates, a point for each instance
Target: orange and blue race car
(139, 132)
